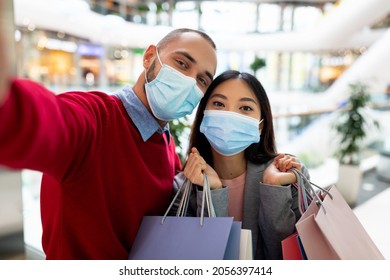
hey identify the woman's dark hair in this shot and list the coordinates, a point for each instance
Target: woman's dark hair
(258, 152)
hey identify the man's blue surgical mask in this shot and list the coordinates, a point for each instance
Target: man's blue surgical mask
(172, 95)
(229, 133)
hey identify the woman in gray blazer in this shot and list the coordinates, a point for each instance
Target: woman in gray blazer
(232, 141)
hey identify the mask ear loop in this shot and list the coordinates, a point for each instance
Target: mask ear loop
(158, 57)
(260, 129)
(146, 78)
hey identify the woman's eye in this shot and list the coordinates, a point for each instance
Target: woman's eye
(246, 108)
(217, 104)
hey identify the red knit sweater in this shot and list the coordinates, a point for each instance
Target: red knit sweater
(100, 178)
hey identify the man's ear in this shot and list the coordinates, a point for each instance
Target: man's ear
(149, 56)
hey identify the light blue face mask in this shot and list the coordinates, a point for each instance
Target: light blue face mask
(229, 133)
(172, 95)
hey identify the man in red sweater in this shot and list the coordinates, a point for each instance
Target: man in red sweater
(107, 160)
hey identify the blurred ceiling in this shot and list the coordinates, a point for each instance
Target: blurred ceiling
(347, 25)
(320, 3)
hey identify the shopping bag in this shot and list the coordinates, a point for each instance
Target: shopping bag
(187, 238)
(240, 244)
(246, 245)
(303, 253)
(330, 230)
(291, 248)
(181, 238)
(232, 251)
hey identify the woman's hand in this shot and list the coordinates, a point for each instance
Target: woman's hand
(278, 172)
(195, 166)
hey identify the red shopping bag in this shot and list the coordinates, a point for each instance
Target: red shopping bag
(292, 248)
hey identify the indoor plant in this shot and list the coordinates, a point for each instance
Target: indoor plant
(257, 64)
(351, 128)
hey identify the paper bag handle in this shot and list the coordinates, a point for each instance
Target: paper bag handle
(184, 202)
(306, 192)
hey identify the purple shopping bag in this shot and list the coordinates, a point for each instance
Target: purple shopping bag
(184, 238)
(187, 238)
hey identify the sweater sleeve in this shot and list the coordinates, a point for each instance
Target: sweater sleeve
(219, 198)
(278, 213)
(46, 132)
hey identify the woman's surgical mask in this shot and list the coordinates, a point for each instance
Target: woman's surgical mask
(172, 95)
(229, 133)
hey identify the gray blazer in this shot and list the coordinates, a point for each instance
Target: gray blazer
(270, 212)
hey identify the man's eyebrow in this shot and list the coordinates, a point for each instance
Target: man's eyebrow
(208, 74)
(190, 58)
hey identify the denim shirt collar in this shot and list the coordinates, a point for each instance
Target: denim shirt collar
(142, 118)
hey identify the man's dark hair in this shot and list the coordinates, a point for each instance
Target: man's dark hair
(174, 34)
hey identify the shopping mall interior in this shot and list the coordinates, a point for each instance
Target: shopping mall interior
(311, 56)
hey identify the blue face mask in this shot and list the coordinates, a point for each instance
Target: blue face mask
(229, 133)
(172, 95)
